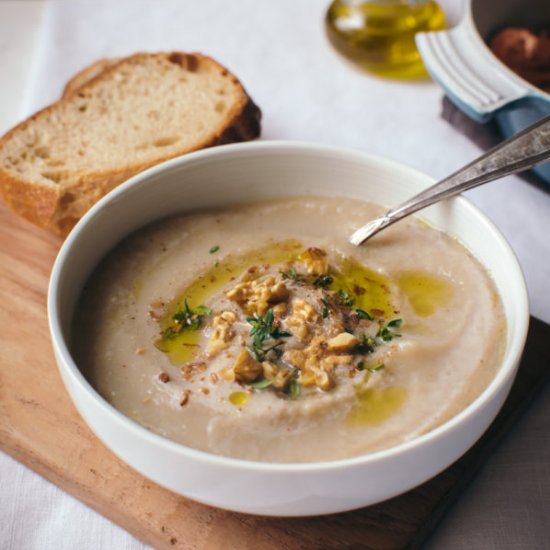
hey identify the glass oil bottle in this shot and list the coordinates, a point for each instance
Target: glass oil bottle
(378, 35)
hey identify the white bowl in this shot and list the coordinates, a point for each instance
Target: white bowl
(233, 174)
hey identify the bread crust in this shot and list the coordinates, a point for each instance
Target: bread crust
(59, 207)
(87, 74)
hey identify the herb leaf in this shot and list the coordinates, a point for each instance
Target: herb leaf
(325, 311)
(367, 344)
(376, 368)
(362, 366)
(261, 384)
(385, 334)
(262, 330)
(346, 298)
(186, 318)
(214, 249)
(293, 389)
(363, 314)
(290, 273)
(323, 281)
(202, 310)
(257, 353)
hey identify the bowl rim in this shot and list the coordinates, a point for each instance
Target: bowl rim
(68, 366)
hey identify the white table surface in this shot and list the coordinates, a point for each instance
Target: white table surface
(306, 92)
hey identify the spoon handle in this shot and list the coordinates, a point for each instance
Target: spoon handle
(520, 152)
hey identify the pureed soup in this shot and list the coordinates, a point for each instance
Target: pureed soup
(259, 332)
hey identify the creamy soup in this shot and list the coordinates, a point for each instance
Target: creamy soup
(259, 332)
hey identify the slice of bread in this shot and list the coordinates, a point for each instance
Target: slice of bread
(118, 119)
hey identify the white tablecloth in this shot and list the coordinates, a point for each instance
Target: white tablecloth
(306, 92)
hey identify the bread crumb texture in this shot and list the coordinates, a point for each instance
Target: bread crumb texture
(116, 118)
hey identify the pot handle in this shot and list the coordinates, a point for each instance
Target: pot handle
(468, 72)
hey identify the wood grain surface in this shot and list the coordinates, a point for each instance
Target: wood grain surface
(40, 427)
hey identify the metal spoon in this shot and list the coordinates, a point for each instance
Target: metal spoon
(520, 152)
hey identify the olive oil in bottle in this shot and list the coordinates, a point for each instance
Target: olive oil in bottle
(378, 35)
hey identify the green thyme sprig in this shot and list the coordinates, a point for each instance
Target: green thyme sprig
(362, 314)
(323, 281)
(362, 366)
(325, 311)
(291, 274)
(386, 333)
(263, 329)
(293, 389)
(186, 318)
(260, 384)
(367, 344)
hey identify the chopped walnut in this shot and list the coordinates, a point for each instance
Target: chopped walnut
(246, 368)
(302, 313)
(316, 261)
(316, 362)
(316, 376)
(258, 296)
(184, 398)
(239, 293)
(222, 333)
(302, 309)
(342, 342)
(331, 361)
(280, 309)
(310, 355)
(296, 357)
(190, 369)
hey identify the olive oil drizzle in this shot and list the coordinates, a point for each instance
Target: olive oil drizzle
(375, 406)
(369, 290)
(426, 293)
(181, 347)
(365, 290)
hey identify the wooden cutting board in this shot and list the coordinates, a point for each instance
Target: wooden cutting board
(40, 427)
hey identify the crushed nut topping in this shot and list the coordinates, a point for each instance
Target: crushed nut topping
(343, 342)
(185, 398)
(222, 332)
(278, 376)
(246, 368)
(189, 370)
(316, 261)
(295, 325)
(302, 314)
(258, 295)
(317, 361)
